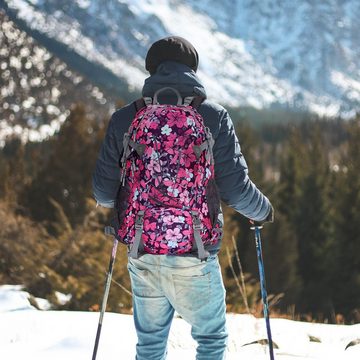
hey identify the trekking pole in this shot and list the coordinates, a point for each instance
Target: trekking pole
(108, 231)
(257, 228)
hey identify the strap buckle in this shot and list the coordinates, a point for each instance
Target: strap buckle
(202, 253)
(139, 222)
(197, 225)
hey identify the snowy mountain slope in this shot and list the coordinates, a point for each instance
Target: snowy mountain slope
(302, 55)
(37, 89)
(26, 333)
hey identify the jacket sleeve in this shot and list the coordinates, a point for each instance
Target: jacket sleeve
(231, 174)
(106, 178)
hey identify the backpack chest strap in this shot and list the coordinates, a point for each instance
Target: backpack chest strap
(206, 145)
(128, 143)
(198, 149)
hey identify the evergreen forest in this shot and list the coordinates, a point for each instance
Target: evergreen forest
(52, 239)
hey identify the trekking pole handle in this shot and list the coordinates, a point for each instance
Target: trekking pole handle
(255, 225)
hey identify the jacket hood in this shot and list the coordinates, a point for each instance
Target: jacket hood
(172, 48)
(176, 75)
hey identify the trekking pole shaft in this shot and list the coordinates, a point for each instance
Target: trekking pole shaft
(105, 297)
(263, 289)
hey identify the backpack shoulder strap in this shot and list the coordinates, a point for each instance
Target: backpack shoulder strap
(197, 101)
(139, 104)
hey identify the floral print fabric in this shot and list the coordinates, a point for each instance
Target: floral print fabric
(168, 181)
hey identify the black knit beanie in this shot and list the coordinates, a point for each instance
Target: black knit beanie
(172, 48)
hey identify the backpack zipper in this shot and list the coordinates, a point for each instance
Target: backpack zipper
(161, 203)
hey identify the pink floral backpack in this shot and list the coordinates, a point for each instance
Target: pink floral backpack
(167, 202)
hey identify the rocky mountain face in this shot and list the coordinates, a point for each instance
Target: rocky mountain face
(37, 89)
(301, 55)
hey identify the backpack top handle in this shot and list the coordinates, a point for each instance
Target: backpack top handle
(179, 98)
(194, 101)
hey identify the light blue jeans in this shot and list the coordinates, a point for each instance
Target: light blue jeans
(164, 284)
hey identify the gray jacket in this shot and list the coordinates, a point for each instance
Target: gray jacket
(231, 172)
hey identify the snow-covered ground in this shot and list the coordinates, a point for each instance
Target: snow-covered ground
(27, 333)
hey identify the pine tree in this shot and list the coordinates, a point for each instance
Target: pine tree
(66, 173)
(310, 222)
(293, 153)
(13, 173)
(346, 229)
